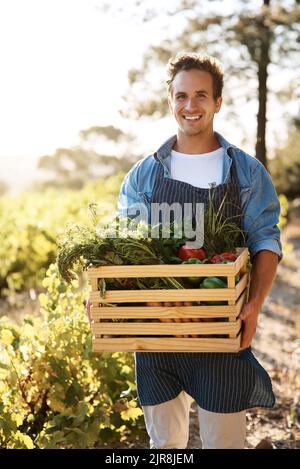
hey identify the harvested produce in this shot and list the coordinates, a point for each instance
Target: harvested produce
(83, 246)
(195, 281)
(124, 243)
(223, 258)
(213, 282)
(221, 233)
(185, 253)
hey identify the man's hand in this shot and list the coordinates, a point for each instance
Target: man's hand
(262, 275)
(249, 316)
(88, 307)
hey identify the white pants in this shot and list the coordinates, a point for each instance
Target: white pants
(168, 425)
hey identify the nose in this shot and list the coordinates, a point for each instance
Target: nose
(191, 104)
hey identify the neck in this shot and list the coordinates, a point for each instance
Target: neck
(195, 144)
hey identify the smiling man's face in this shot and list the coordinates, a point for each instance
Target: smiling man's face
(192, 102)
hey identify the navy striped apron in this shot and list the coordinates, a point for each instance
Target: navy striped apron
(219, 382)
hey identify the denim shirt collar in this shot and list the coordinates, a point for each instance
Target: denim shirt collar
(164, 152)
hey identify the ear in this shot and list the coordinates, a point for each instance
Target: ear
(218, 104)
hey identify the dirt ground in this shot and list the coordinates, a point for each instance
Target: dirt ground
(277, 348)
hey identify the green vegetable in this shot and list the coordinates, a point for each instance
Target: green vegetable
(213, 282)
(195, 281)
(192, 260)
(221, 233)
(83, 246)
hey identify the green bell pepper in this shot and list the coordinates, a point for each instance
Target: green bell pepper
(195, 281)
(214, 282)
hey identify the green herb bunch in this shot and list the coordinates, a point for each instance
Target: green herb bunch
(123, 242)
(84, 246)
(221, 233)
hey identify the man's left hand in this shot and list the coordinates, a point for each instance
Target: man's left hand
(249, 316)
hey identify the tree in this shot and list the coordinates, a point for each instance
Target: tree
(248, 38)
(265, 47)
(285, 166)
(72, 167)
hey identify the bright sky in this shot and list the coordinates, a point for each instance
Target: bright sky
(64, 67)
(53, 80)
(52, 77)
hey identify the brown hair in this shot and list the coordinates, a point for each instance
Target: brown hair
(190, 61)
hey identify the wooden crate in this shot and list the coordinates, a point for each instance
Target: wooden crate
(219, 333)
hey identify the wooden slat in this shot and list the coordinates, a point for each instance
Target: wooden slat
(170, 328)
(193, 294)
(132, 312)
(231, 284)
(241, 301)
(170, 270)
(242, 285)
(165, 270)
(124, 312)
(242, 260)
(94, 283)
(166, 344)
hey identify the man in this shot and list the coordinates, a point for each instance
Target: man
(224, 385)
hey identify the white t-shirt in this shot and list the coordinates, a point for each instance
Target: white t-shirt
(199, 170)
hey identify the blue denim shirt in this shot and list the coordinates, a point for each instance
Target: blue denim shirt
(260, 204)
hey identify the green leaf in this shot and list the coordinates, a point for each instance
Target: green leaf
(132, 413)
(23, 441)
(6, 337)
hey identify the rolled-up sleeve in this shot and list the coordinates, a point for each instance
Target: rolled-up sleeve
(261, 214)
(128, 194)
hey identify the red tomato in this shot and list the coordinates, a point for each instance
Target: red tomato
(216, 259)
(225, 256)
(229, 256)
(186, 253)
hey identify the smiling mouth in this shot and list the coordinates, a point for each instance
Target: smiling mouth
(192, 118)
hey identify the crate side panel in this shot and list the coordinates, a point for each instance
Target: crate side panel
(185, 312)
(171, 328)
(166, 345)
(241, 285)
(166, 270)
(242, 260)
(125, 296)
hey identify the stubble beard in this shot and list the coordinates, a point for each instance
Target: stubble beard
(201, 130)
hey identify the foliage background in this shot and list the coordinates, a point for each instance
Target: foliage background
(54, 391)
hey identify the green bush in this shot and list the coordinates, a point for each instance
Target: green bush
(284, 206)
(54, 391)
(31, 223)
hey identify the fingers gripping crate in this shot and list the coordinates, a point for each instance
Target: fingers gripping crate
(143, 328)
